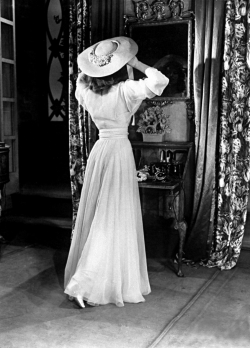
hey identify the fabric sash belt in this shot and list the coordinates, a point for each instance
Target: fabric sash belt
(113, 133)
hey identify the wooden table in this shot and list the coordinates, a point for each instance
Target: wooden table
(174, 188)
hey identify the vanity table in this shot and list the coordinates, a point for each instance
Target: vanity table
(173, 189)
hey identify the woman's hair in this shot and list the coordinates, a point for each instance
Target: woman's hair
(175, 68)
(99, 84)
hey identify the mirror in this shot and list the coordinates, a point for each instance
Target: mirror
(166, 45)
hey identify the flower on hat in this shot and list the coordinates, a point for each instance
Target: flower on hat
(99, 60)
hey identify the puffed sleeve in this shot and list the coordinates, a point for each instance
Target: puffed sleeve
(156, 81)
(152, 85)
(81, 90)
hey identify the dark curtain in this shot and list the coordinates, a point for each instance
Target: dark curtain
(234, 149)
(79, 122)
(107, 19)
(209, 22)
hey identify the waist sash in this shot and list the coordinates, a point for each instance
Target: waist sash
(113, 133)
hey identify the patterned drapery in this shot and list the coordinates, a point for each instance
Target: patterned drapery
(79, 122)
(234, 150)
(107, 19)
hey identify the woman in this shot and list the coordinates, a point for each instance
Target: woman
(107, 261)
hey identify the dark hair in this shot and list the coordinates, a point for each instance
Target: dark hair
(99, 84)
(177, 68)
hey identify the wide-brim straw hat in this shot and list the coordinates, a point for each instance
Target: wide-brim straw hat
(106, 57)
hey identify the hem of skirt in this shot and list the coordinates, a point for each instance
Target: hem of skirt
(118, 304)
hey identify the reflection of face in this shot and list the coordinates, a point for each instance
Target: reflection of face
(172, 74)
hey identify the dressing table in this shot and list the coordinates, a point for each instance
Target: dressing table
(173, 189)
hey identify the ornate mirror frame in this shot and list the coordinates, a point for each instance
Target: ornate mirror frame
(153, 46)
(164, 37)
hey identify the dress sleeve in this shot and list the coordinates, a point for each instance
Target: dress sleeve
(156, 81)
(81, 90)
(152, 85)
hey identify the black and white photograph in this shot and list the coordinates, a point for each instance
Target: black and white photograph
(124, 173)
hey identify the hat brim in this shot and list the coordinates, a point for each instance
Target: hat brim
(125, 51)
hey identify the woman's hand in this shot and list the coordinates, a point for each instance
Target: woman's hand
(133, 62)
(136, 64)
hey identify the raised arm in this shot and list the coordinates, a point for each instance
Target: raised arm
(154, 80)
(153, 84)
(136, 64)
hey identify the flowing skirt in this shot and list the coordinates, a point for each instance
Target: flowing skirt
(107, 260)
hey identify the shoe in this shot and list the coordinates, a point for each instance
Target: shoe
(79, 301)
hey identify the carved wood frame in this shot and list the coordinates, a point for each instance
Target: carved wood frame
(132, 22)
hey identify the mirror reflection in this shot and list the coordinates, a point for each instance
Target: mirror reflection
(167, 47)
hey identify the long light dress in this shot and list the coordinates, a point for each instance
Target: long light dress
(107, 260)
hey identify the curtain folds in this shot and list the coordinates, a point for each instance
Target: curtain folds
(234, 150)
(107, 19)
(79, 124)
(209, 16)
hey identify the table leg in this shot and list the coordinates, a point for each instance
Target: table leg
(182, 228)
